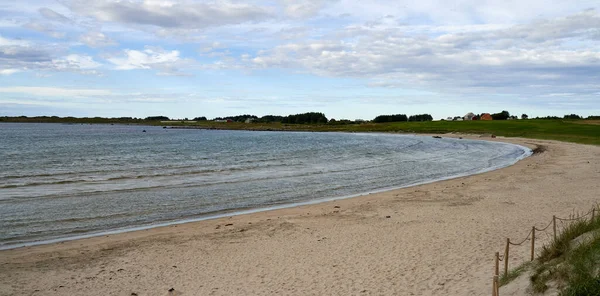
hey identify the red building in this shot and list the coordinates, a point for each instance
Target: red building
(485, 116)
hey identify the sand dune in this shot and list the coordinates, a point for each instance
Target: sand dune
(434, 239)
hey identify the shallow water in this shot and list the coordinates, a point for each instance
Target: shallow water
(59, 181)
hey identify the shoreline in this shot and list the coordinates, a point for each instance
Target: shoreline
(432, 239)
(574, 131)
(265, 208)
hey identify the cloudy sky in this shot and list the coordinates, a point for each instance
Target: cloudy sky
(347, 58)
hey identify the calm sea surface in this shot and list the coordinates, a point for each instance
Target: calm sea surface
(60, 181)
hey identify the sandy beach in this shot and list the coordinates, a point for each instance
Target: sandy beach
(433, 239)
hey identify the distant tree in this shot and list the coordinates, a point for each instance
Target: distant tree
(390, 118)
(340, 121)
(524, 116)
(504, 115)
(420, 117)
(593, 117)
(548, 117)
(309, 117)
(572, 116)
(237, 118)
(269, 118)
(157, 118)
(201, 118)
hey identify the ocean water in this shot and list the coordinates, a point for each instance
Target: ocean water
(61, 181)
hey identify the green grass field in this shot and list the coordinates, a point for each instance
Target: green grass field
(577, 131)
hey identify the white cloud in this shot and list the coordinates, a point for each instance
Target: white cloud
(45, 28)
(452, 48)
(155, 58)
(171, 14)
(24, 56)
(75, 61)
(53, 15)
(54, 91)
(8, 71)
(543, 52)
(4, 42)
(583, 25)
(293, 33)
(96, 39)
(146, 59)
(212, 47)
(304, 8)
(152, 100)
(459, 12)
(20, 54)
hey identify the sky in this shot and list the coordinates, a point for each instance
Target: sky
(346, 58)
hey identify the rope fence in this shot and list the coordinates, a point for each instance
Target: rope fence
(543, 229)
(526, 239)
(531, 236)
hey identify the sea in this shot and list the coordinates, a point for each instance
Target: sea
(67, 181)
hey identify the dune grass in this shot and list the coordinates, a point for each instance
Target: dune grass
(562, 244)
(513, 274)
(574, 268)
(583, 277)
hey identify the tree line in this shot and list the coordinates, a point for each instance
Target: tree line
(302, 118)
(402, 117)
(310, 117)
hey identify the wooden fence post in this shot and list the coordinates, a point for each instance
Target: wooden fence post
(496, 285)
(496, 272)
(497, 266)
(532, 242)
(554, 226)
(506, 256)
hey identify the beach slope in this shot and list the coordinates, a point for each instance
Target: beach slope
(433, 239)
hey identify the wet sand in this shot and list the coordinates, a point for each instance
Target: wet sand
(433, 239)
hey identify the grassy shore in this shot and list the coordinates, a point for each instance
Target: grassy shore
(577, 131)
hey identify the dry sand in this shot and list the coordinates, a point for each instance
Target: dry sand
(434, 239)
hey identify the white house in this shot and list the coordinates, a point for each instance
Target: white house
(469, 116)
